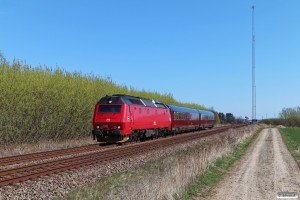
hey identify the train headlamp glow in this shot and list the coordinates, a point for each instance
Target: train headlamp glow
(117, 127)
(98, 126)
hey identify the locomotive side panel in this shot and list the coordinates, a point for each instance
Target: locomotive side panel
(149, 118)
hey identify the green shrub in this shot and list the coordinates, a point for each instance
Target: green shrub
(42, 103)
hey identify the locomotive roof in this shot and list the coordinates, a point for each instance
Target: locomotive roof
(129, 96)
(127, 99)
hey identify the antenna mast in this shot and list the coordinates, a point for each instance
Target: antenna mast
(253, 70)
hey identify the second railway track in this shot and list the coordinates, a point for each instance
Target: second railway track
(46, 154)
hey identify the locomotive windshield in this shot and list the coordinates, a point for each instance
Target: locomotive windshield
(109, 109)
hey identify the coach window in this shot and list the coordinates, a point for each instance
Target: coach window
(181, 116)
(176, 115)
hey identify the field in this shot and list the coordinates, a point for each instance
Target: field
(42, 104)
(291, 137)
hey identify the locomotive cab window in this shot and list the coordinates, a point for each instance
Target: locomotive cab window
(109, 109)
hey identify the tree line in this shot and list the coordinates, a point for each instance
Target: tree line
(288, 117)
(41, 103)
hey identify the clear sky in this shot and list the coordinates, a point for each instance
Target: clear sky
(200, 51)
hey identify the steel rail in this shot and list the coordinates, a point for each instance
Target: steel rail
(46, 154)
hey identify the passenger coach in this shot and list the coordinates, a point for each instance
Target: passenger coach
(187, 119)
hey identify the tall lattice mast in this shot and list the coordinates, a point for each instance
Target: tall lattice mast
(253, 69)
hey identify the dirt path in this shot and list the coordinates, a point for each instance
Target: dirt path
(266, 169)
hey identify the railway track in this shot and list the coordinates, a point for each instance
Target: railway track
(19, 174)
(46, 154)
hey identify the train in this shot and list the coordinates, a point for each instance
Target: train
(119, 118)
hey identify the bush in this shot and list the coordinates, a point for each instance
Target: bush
(42, 103)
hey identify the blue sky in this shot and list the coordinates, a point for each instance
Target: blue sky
(200, 51)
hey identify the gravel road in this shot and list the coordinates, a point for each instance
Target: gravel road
(266, 169)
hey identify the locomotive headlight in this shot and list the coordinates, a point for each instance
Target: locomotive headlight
(117, 127)
(98, 127)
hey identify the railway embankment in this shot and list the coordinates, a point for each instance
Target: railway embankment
(164, 173)
(161, 172)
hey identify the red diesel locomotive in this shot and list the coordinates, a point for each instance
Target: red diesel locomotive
(123, 117)
(120, 118)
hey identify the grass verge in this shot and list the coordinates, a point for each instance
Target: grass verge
(291, 138)
(113, 187)
(203, 183)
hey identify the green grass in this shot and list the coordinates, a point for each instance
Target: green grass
(42, 103)
(203, 183)
(291, 137)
